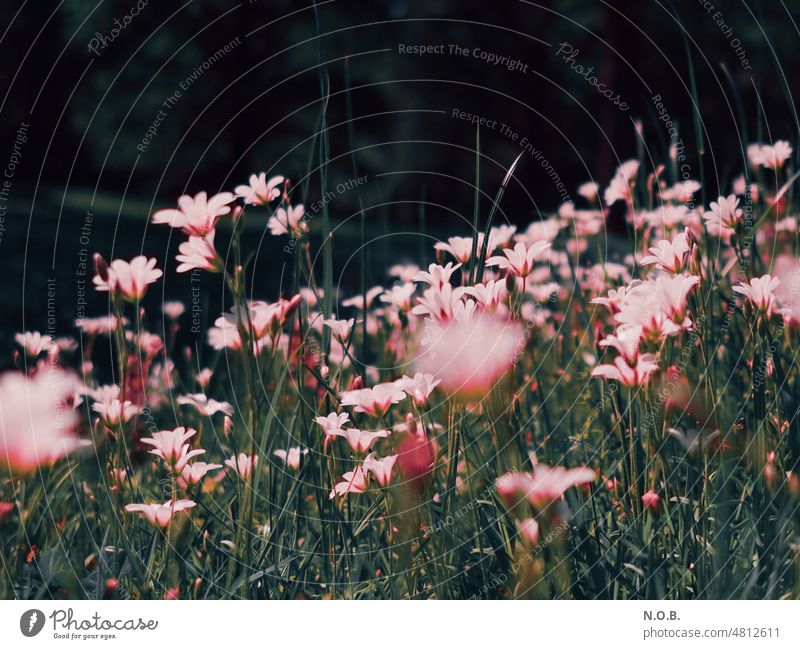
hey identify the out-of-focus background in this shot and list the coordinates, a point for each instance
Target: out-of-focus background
(112, 109)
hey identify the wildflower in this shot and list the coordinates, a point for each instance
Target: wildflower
(404, 272)
(416, 454)
(723, 217)
(354, 481)
(196, 216)
(357, 301)
(469, 355)
(332, 424)
(204, 405)
(360, 440)
(160, 515)
(519, 261)
(101, 325)
(341, 329)
(621, 186)
(129, 280)
(399, 296)
(459, 247)
(651, 501)
(380, 468)
(36, 423)
(291, 457)
(34, 343)
(199, 253)
(111, 408)
(542, 487)
(760, 291)
(489, 294)
(242, 464)
(528, 529)
(174, 309)
(589, 190)
(171, 446)
(373, 401)
(669, 256)
(771, 157)
(436, 275)
(628, 375)
(192, 474)
(418, 388)
(438, 302)
(288, 221)
(260, 191)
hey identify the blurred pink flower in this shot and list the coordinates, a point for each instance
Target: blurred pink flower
(760, 291)
(196, 216)
(622, 182)
(199, 253)
(772, 157)
(204, 405)
(111, 409)
(528, 529)
(160, 515)
(341, 329)
(469, 355)
(651, 501)
(291, 457)
(519, 261)
(542, 487)
(174, 309)
(33, 342)
(242, 464)
(260, 190)
(437, 275)
(129, 279)
(723, 216)
(459, 247)
(381, 468)
(36, 423)
(439, 302)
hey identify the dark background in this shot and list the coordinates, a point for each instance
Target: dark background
(258, 108)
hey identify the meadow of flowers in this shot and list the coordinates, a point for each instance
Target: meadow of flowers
(539, 417)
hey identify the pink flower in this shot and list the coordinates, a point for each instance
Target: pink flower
(380, 468)
(760, 291)
(622, 183)
(625, 341)
(261, 318)
(111, 409)
(174, 309)
(723, 216)
(196, 216)
(772, 157)
(101, 325)
(341, 329)
(160, 515)
(459, 247)
(669, 256)
(528, 529)
(418, 388)
(291, 457)
(373, 401)
(437, 275)
(332, 424)
(589, 191)
(469, 355)
(651, 501)
(439, 302)
(171, 446)
(36, 423)
(357, 301)
(489, 294)
(360, 440)
(199, 252)
(289, 221)
(129, 279)
(542, 487)
(192, 474)
(204, 405)
(399, 296)
(519, 261)
(629, 375)
(354, 482)
(242, 464)
(260, 190)
(34, 343)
